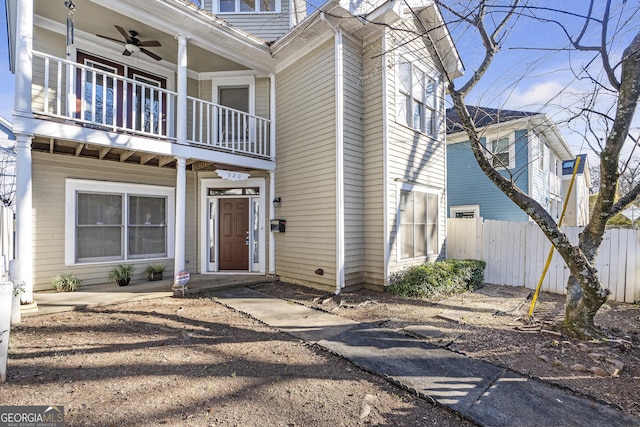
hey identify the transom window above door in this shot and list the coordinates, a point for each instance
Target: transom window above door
(248, 6)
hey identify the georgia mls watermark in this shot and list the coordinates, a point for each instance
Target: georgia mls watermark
(31, 416)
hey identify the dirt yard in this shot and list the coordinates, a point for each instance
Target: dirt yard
(193, 362)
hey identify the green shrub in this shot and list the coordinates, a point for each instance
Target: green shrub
(66, 282)
(437, 279)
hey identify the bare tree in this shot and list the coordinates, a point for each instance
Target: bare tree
(610, 126)
(7, 176)
(629, 176)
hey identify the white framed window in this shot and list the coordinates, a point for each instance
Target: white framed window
(502, 151)
(417, 98)
(418, 209)
(109, 221)
(540, 154)
(247, 6)
(464, 211)
(235, 91)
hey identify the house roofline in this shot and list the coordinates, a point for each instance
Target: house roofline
(541, 120)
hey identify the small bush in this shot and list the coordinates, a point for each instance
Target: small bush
(66, 282)
(437, 279)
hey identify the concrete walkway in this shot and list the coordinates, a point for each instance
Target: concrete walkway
(90, 296)
(488, 395)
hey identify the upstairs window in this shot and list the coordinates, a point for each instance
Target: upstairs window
(248, 6)
(502, 153)
(417, 98)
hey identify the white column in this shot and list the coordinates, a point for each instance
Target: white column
(181, 200)
(24, 218)
(23, 67)
(181, 119)
(181, 163)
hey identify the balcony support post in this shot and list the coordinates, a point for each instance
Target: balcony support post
(24, 216)
(23, 57)
(181, 163)
(180, 229)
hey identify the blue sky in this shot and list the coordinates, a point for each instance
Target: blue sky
(519, 79)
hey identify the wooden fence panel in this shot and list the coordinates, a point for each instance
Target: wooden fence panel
(632, 293)
(464, 236)
(6, 238)
(516, 254)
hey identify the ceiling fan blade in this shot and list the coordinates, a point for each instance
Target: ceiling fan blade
(124, 33)
(126, 52)
(150, 43)
(151, 54)
(112, 39)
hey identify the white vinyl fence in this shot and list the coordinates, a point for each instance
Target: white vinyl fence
(6, 239)
(516, 253)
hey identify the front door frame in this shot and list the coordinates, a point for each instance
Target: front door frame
(205, 199)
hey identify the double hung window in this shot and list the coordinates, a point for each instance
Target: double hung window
(502, 152)
(417, 98)
(248, 6)
(112, 221)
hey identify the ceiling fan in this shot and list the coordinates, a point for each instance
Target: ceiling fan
(132, 44)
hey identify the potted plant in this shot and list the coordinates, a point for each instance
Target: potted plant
(121, 274)
(154, 272)
(65, 282)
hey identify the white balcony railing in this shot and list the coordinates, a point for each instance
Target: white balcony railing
(227, 129)
(98, 98)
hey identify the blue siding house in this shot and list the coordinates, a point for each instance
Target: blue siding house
(525, 147)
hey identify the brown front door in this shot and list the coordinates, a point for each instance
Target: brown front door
(234, 234)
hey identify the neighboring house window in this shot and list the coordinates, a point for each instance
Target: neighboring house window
(248, 6)
(417, 98)
(117, 221)
(418, 224)
(540, 154)
(502, 151)
(465, 211)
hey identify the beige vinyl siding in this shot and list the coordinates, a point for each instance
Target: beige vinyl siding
(262, 97)
(49, 176)
(206, 90)
(414, 157)
(374, 238)
(193, 90)
(353, 164)
(51, 43)
(306, 174)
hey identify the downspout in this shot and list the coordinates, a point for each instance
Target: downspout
(272, 173)
(385, 170)
(339, 118)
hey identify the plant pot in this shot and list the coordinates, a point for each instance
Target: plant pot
(123, 282)
(155, 276)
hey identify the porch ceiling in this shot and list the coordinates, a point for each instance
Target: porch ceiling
(99, 152)
(93, 19)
